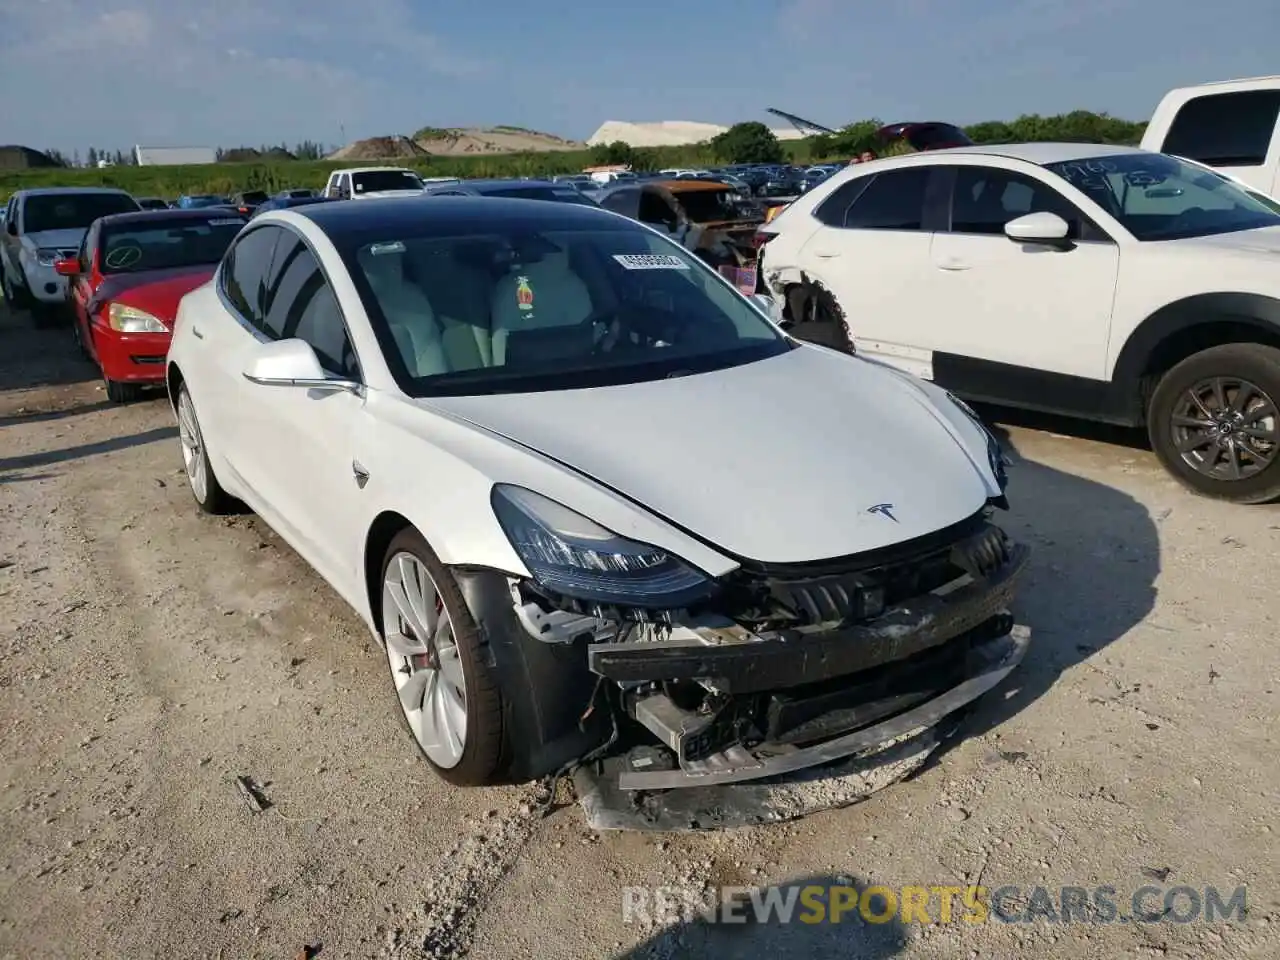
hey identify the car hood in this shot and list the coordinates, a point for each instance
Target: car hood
(155, 291)
(57, 239)
(780, 460)
(1264, 241)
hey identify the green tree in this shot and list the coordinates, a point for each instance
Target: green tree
(751, 142)
(618, 152)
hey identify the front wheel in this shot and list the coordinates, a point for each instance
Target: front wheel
(446, 693)
(195, 459)
(1214, 423)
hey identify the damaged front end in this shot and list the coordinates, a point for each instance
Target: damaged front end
(836, 673)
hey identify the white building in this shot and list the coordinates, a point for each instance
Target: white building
(668, 133)
(173, 156)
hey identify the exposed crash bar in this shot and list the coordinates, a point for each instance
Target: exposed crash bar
(1005, 654)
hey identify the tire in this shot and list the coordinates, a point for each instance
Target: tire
(475, 756)
(817, 318)
(1209, 424)
(118, 392)
(17, 297)
(204, 484)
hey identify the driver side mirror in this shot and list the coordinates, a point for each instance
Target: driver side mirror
(292, 363)
(67, 268)
(1047, 229)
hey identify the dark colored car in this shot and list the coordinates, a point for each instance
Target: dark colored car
(153, 203)
(125, 284)
(297, 193)
(288, 203)
(515, 189)
(249, 200)
(928, 135)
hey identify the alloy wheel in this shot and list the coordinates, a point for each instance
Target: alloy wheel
(1226, 428)
(422, 653)
(192, 448)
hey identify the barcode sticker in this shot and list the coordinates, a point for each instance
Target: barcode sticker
(650, 261)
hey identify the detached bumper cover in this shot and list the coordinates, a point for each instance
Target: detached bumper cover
(803, 658)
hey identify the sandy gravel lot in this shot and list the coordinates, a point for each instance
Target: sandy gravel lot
(149, 654)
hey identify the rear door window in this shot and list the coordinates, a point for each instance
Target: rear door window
(1225, 129)
(891, 201)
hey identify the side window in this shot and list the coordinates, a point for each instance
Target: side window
(833, 209)
(244, 272)
(282, 281)
(654, 209)
(891, 201)
(331, 188)
(344, 187)
(303, 305)
(87, 246)
(984, 199)
(1225, 129)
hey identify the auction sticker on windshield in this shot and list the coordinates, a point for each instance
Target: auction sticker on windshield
(650, 261)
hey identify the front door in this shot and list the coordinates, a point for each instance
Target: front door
(1012, 305)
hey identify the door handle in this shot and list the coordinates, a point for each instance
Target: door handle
(195, 332)
(826, 254)
(952, 263)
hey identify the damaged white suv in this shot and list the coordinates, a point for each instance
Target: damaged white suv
(587, 499)
(1098, 281)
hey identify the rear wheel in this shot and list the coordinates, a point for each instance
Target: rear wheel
(446, 693)
(817, 318)
(118, 392)
(1215, 424)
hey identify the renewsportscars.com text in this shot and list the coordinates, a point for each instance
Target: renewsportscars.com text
(845, 903)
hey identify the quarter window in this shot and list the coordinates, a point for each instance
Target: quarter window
(891, 201)
(832, 210)
(1225, 129)
(244, 273)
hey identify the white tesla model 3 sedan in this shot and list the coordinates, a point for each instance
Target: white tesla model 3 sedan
(589, 500)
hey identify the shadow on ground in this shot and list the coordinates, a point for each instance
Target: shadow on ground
(1095, 560)
(43, 357)
(805, 932)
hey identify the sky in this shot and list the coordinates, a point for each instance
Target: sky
(113, 73)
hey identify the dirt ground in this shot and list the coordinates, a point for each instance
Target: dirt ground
(149, 654)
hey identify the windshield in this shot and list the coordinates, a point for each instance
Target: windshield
(1159, 197)
(529, 309)
(375, 181)
(72, 211)
(160, 245)
(565, 194)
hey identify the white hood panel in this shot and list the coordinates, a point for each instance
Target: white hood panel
(778, 460)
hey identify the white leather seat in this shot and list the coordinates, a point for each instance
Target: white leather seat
(408, 313)
(560, 298)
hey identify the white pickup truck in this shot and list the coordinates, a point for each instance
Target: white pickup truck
(1232, 126)
(366, 183)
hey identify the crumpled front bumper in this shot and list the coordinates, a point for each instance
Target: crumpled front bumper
(824, 695)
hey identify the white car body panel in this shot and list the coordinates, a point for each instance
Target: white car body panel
(909, 295)
(776, 460)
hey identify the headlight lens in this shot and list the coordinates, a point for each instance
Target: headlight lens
(128, 319)
(47, 257)
(571, 556)
(995, 453)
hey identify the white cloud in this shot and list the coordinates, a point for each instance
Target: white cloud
(120, 72)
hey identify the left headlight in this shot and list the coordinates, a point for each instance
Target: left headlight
(128, 319)
(573, 557)
(47, 257)
(995, 453)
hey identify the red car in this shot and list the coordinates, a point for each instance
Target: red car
(132, 270)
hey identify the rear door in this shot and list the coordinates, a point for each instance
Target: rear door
(870, 253)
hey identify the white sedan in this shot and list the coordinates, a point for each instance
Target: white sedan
(1098, 281)
(588, 498)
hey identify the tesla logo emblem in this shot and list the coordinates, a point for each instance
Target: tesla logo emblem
(884, 509)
